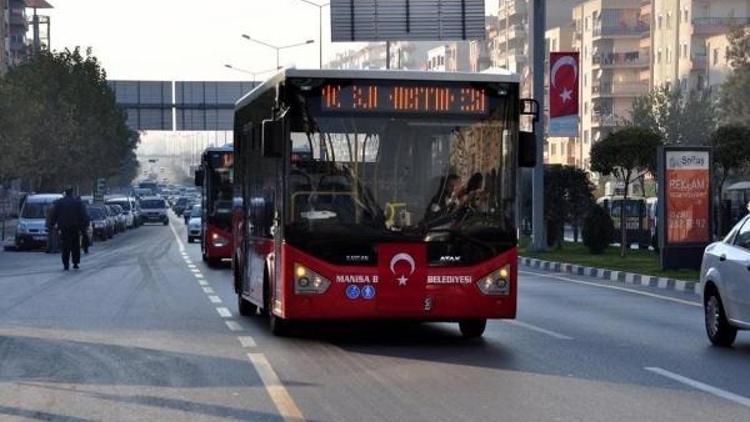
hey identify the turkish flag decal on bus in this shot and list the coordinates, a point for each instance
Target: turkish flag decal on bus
(402, 269)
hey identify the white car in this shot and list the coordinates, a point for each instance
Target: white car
(725, 283)
(195, 225)
(154, 210)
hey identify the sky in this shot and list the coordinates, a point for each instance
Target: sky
(192, 39)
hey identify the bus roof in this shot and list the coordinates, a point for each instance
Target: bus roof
(223, 148)
(401, 75)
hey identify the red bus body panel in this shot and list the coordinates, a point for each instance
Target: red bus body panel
(392, 300)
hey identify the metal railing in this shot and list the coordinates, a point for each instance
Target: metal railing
(634, 58)
(637, 29)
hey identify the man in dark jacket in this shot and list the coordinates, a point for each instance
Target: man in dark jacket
(69, 215)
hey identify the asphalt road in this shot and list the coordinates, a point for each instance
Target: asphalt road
(144, 331)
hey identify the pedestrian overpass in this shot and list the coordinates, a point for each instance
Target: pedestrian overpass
(180, 105)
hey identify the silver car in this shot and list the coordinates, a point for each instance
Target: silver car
(725, 283)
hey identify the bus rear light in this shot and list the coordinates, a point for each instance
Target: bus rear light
(309, 282)
(497, 283)
(218, 241)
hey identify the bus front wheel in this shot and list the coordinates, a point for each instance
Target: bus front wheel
(472, 328)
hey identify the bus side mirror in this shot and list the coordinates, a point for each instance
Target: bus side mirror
(199, 177)
(526, 149)
(273, 135)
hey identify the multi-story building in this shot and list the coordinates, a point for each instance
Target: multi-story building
(450, 57)
(608, 35)
(372, 56)
(3, 36)
(558, 150)
(718, 66)
(479, 50)
(510, 48)
(411, 55)
(17, 26)
(680, 29)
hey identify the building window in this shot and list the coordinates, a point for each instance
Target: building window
(684, 50)
(585, 136)
(553, 149)
(587, 24)
(669, 55)
(586, 108)
(669, 20)
(716, 56)
(685, 15)
(658, 57)
(585, 80)
(660, 20)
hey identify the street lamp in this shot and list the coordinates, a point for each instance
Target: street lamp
(276, 47)
(320, 25)
(250, 72)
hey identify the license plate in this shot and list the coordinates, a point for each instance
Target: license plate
(39, 237)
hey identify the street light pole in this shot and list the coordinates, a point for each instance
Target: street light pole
(320, 26)
(539, 234)
(250, 72)
(276, 47)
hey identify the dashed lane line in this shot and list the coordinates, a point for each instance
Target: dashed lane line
(536, 329)
(198, 275)
(715, 391)
(247, 342)
(279, 394)
(202, 282)
(195, 270)
(224, 312)
(208, 291)
(214, 299)
(233, 325)
(618, 288)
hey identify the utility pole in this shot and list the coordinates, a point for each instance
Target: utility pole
(539, 234)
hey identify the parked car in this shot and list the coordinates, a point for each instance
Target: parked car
(127, 204)
(111, 217)
(101, 224)
(725, 283)
(122, 221)
(154, 209)
(32, 221)
(195, 225)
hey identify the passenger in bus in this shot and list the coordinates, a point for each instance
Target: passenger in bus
(444, 202)
(473, 194)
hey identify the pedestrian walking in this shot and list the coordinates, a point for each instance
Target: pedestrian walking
(69, 216)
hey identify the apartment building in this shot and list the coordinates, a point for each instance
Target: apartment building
(450, 57)
(372, 56)
(614, 65)
(718, 67)
(559, 150)
(17, 44)
(3, 36)
(479, 50)
(681, 32)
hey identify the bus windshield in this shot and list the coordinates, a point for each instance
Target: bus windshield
(424, 178)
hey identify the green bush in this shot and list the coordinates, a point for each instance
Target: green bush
(598, 230)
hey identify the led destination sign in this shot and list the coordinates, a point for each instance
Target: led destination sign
(404, 98)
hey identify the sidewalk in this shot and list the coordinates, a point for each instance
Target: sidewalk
(612, 275)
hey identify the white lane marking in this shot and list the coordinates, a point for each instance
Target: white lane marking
(718, 392)
(208, 290)
(540, 330)
(247, 341)
(618, 288)
(202, 282)
(198, 275)
(191, 266)
(224, 312)
(196, 271)
(279, 395)
(177, 237)
(233, 325)
(189, 262)
(214, 299)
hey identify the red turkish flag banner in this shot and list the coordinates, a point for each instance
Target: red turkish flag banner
(563, 84)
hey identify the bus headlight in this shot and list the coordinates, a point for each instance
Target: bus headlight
(218, 241)
(309, 282)
(497, 283)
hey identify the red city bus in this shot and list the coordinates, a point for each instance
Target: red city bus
(215, 176)
(377, 195)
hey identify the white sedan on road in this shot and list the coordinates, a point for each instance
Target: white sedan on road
(725, 283)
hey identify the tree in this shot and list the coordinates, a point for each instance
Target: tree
(568, 194)
(679, 118)
(735, 92)
(624, 154)
(731, 152)
(65, 123)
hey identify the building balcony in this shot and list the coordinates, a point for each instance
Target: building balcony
(618, 89)
(510, 8)
(698, 61)
(636, 30)
(716, 25)
(603, 120)
(646, 8)
(625, 59)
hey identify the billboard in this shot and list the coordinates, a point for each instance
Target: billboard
(407, 20)
(563, 94)
(685, 207)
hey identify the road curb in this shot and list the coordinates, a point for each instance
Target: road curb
(612, 275)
